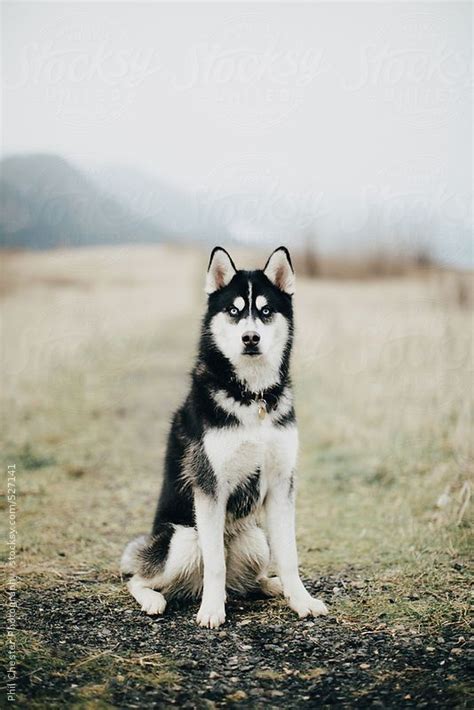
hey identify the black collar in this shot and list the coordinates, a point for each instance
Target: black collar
(270, 396)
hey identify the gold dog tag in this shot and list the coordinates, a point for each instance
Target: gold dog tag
(262, 408)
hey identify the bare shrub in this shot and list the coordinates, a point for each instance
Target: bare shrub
(456, 288)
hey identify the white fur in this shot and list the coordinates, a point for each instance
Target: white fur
(258, 372)
(234, 453)
(261, 302)
(152, 602)
(239, 303)
(210, 519)
(184, 558)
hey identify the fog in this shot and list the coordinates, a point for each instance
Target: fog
(345, 123)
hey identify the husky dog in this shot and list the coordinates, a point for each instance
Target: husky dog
(231, 456)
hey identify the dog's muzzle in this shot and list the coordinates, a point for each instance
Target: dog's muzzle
(251, 340)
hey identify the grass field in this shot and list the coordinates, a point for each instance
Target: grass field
(96, 347)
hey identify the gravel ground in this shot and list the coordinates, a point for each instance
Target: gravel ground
(102, 651)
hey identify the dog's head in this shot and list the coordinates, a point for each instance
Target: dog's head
(250, 314)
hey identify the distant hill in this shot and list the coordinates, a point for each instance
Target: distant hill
(46, 202)
(182, 215)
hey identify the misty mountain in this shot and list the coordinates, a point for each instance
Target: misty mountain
(46, 202)
(183, 215)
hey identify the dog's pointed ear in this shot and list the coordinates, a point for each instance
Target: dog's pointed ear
(279, 270)
(220, 271)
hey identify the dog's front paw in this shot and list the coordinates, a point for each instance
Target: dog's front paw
(308, 606)
(211, 617)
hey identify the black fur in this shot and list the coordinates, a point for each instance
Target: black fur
(245, 497)
(153, 555)
(204, 475)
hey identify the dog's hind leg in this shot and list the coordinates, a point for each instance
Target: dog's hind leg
(145, 558)
(151, 601)
(169, 563)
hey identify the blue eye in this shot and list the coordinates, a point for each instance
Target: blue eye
(265, 311)
(233, 311)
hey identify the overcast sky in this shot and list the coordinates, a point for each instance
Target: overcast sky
(339, 107)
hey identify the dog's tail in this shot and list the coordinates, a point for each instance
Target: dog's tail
(130, 562)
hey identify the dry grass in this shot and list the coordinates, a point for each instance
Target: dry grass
(96, 346)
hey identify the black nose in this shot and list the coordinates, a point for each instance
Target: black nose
(250, 337)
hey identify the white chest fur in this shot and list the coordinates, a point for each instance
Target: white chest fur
(237, 452)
